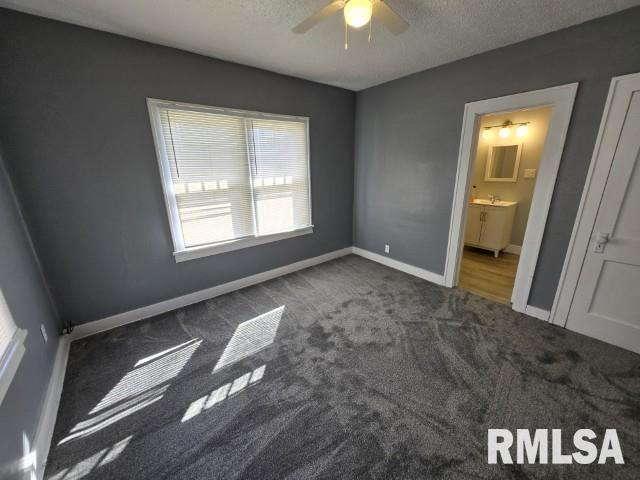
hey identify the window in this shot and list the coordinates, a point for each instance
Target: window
(11, 346)
(231, 178)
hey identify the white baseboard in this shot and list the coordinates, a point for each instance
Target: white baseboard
(403, 267)
(513, 249)
(537, 312)
(131, 316)
(47, 422)
(49, 413)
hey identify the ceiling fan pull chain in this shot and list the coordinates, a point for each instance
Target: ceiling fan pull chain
(370, 23)
(346, 36)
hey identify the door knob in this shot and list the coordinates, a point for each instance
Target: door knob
(601, 240)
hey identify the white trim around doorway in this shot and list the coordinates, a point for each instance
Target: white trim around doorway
(561, 98)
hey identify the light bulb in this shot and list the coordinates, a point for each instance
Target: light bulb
(486, 133)
(357, 13)
(522, 130)
(504, 132)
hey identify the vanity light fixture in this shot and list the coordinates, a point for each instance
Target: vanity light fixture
(522, 130)
(505, 129)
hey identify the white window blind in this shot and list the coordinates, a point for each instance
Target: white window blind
(7, 327)
(231, 175)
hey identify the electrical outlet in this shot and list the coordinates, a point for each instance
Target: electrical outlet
(44, 333)
(386, 249)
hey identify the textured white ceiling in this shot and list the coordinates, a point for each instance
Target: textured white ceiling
(258, 32)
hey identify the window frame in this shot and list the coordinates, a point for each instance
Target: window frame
(180, 252)
(11, 357)
(10, 360)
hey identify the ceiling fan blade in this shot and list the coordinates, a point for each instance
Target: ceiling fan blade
(390, 19)
(317, 17)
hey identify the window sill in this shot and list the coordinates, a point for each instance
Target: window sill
(199, 252)
(11, 360)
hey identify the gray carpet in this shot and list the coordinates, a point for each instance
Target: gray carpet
(365, 373)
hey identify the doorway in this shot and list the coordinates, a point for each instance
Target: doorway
(559, 100)
(503, 177)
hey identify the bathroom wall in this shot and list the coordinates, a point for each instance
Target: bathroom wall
(520, 191)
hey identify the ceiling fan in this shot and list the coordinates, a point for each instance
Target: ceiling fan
(357, 14)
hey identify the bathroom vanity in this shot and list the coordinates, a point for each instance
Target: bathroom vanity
(489, 224)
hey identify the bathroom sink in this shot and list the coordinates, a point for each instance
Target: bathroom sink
(497, 203)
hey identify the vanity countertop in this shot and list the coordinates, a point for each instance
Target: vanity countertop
(497, 203)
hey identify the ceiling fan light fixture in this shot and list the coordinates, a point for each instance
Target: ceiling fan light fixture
(357, 13)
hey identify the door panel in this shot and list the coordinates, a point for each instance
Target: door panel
(616, 294)
(628, 224)
(606, 304)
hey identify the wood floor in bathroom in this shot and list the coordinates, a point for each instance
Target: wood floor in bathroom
(483, 274)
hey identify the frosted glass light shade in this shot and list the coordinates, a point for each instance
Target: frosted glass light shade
(357, 13)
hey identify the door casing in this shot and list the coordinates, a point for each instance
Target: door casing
(561, 98)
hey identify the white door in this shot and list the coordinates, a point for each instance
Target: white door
(606, 304)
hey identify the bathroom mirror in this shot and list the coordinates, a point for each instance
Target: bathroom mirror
(502, 163)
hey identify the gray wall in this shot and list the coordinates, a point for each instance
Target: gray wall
(75, 125)
(408, 133)
(24, 290)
